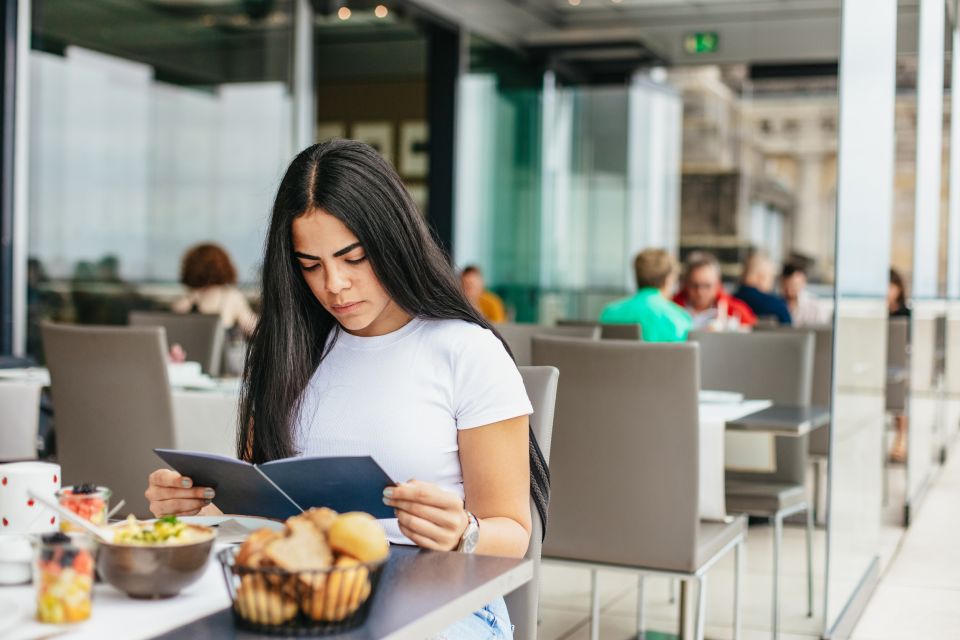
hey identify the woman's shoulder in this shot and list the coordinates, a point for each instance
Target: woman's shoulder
(460, 337)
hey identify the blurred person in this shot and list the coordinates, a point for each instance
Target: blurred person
(897, 296)
(209, 274)
(805, 308)
(756, 286)
(898, 307)
(660, 319)
(486, 302)
(702, 295)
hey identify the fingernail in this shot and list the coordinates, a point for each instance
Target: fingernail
(388, 492)
(208, 494)
(186, 483)
(388, 502)
(206, 502)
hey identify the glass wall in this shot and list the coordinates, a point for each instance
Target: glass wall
(153, 127)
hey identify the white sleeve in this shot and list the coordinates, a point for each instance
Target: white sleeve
(487, 385)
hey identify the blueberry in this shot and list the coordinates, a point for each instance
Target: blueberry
(84, 488)
(55, 538)
(69, 555)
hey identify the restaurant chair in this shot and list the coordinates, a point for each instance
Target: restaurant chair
(200, 334)
(775, 366)
(518, 336)
(625, 481)
(607, 331)
(897, 385)
(620, 332)
(113, 406)
(819, 439)
(523, 604)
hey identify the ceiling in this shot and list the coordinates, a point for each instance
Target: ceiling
(750, 31)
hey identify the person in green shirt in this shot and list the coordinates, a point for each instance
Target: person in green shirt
(660, 319)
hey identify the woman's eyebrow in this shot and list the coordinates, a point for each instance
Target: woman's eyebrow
(346, 250)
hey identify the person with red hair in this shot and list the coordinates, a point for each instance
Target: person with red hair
(209, 274)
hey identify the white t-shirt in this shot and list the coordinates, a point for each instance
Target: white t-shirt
(402, 397)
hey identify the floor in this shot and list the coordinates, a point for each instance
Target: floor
(919, 593)
(565, 596)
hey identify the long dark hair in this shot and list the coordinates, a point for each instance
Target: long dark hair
(352, 182)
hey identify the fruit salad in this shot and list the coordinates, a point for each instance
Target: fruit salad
(64, 578)
(87, 501)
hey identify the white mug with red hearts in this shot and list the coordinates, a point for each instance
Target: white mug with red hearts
(18, 512)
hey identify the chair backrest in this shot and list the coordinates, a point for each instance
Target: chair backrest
(624, 452)
(822, 378)
(898, 349)
(518, 336)
(112, 405)
(541, 384)
(768, 365)
(620, 332)
(200, 334)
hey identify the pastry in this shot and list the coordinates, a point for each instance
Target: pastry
(358, 535)
(261, 604)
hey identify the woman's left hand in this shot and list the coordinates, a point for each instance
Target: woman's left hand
(430, 516)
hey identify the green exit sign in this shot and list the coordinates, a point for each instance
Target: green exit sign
(701, 42)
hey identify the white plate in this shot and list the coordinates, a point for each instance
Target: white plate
(9, 615)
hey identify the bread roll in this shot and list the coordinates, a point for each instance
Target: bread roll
(251, 551)
(358, 535)
(347, 588)
(261, 604)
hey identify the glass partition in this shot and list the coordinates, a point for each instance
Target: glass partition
(151, 130)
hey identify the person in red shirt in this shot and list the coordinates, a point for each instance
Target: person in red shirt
(703, 296)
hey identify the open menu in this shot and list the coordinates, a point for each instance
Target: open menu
(283, 488)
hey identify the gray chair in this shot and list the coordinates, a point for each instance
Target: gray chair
(621, 332)
(113, 405)
(624, 491)
(518, 336)
(898, 364)
(607, 331)
(200, 334)
(523, 604)
(819, 439)
(775, 366)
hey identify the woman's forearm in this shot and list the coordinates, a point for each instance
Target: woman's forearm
(502, 537)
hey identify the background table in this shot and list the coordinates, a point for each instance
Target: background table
(781, 420)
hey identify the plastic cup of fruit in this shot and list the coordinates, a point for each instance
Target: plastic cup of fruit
(63, 577)
(88, 501)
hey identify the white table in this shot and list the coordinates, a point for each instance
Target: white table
(205, 419)
(714, 451)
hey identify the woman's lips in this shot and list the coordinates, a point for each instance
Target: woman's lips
(345, 308)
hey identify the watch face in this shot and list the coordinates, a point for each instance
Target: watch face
(470, 537)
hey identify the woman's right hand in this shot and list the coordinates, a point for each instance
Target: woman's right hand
(171, 494)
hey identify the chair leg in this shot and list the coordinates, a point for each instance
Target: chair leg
(699, 623)
(809, 562)
(737, 578)
(777, 537)
(640, 624)
(594, 605)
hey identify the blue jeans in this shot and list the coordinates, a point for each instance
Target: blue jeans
(490, 623)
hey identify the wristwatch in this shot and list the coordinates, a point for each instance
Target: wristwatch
(471, 535)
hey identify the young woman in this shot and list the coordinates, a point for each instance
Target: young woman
(366, 345)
